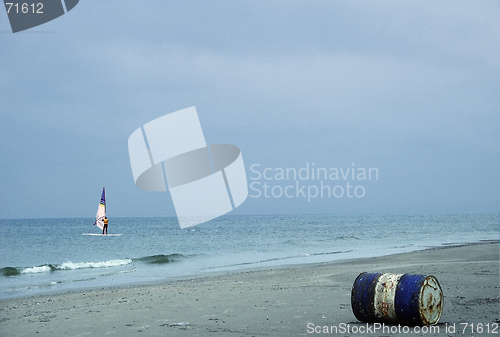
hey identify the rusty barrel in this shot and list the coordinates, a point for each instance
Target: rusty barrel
(397, 298)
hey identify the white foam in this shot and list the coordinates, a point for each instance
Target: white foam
(81, 265)
(35, 270)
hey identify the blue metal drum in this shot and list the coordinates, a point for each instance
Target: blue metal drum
(397, 298)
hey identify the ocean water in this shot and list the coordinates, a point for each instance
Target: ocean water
(51, 255)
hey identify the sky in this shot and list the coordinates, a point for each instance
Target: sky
(410, 89)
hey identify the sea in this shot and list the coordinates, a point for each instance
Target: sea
(45, 256)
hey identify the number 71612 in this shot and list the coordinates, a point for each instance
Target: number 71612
(480, 327)
(25, 8)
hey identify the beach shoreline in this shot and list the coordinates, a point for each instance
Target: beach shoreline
(279, 301)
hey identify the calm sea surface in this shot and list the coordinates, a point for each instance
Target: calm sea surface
(51, 255)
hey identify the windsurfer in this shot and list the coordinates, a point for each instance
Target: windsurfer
(105, 228)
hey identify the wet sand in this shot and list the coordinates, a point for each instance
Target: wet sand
(274, 302)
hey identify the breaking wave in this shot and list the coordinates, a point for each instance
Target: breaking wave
(12, 271)
(45, 268)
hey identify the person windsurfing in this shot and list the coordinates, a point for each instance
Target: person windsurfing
(105, 228)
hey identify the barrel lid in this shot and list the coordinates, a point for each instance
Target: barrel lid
(431, 301)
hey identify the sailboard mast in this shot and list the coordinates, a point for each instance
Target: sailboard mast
(101, 211)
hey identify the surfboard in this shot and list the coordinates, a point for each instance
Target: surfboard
(102, 234)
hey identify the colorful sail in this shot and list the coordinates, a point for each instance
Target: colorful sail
(101, 211)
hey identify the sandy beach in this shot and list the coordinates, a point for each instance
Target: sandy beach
(288, 301)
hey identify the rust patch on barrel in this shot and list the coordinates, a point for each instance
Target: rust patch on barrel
(431, 301)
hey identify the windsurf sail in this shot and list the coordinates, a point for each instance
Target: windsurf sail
(101, 211)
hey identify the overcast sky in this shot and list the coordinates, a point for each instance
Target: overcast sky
(409, 88)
